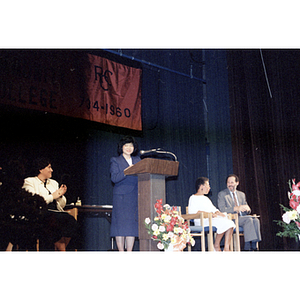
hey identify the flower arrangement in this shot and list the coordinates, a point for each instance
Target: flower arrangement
(169, 228)
(291, 218)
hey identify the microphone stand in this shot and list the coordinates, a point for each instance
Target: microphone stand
(158, 151)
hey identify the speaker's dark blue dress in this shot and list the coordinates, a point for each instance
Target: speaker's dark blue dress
(124, 220)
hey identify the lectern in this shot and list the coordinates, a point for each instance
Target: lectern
(151, 174)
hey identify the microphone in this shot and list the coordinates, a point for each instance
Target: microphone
(147, 151)
(160, 151)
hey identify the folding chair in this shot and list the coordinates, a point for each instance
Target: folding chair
(238, 232)
(198, 230)
(235, 241)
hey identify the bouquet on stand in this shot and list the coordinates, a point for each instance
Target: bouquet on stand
(169, 228)
(291, 218)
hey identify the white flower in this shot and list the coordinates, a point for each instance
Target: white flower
(167, 219)
(154, 227)
(286, 218)
(167, 206)
(156, 232)
(161, 228)
(289, 216)
(170, 234)
(173, 240)
(298, 209)
(165, 237)
(293, 215)
(147, 221)
(160, 246)
(193, 242)
(178, 230)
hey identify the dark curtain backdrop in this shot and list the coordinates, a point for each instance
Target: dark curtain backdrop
(219, 135)
(179, 114)
(265, 132)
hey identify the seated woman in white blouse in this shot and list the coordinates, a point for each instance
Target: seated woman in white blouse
(60, 226)
(199, 202)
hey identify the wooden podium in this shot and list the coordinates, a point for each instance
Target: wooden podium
(151, 174)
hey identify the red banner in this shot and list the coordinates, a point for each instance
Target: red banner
(72, 83)
(114, 93)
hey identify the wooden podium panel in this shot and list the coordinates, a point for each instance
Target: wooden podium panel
(151, 174)
(154, 166)
(151, 188)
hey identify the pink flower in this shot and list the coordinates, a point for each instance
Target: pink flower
(294, 204)
(170, 227)
(158, 206)
(295, 186)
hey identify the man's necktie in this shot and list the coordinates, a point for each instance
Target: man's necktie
(234, 198)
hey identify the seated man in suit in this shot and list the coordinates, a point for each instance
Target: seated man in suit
(231, 200)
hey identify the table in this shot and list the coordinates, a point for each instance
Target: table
(95, 211)
(91, 211)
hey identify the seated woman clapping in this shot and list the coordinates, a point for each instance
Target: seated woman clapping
(60, 226)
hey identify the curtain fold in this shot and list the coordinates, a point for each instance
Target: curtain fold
(265, 131)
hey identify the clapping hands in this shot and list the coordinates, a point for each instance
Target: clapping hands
(60, 192)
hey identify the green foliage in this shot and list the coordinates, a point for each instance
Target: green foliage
(289, 230)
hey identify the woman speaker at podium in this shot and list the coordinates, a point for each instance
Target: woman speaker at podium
(124, 223)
